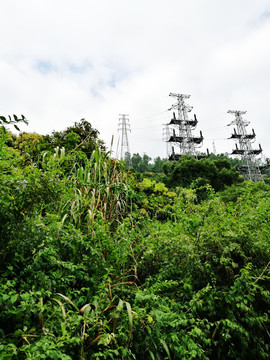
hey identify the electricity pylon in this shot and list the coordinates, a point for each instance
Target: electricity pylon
(249, 167)
(179, 130)
(165, 137)
(124, 127)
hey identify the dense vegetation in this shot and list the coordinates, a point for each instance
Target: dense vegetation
(97, 263)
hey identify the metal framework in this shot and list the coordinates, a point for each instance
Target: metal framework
(124, 127)
(179, 131)
(249, 168)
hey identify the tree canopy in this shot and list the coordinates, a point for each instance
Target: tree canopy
(218, 173)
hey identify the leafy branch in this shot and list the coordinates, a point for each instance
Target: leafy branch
(12, 121)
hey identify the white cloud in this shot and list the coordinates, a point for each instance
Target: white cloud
(61, 61)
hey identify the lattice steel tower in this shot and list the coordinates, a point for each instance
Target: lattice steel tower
(124, 127)
(249, 167)
(179, 130)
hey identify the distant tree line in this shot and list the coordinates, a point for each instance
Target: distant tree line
(218, 171)
(141, 164)
(81, 138)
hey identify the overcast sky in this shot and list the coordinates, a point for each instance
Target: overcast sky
(63, 60)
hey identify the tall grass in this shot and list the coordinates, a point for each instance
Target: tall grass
(101, 188)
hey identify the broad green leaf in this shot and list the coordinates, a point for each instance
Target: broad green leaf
(14, 298)
(5, 297)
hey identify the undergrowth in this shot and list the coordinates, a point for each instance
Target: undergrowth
(98, 265)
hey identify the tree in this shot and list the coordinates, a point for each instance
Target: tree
(135, 161)
(217, 173)
(81, 135)
(141, 163)
(144, 165)
(157, 166)
(30, 144)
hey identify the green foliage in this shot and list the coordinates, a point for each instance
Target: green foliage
(100, 197)
(30, 145)
(79, 141)
(218, 173)
(141, 164)
(6, 136)
(156, 200)
(95, 264)
(4, 122)
(81, 135)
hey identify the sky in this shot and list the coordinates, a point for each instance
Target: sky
(64, 60)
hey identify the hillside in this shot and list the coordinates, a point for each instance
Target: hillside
(98, 263)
